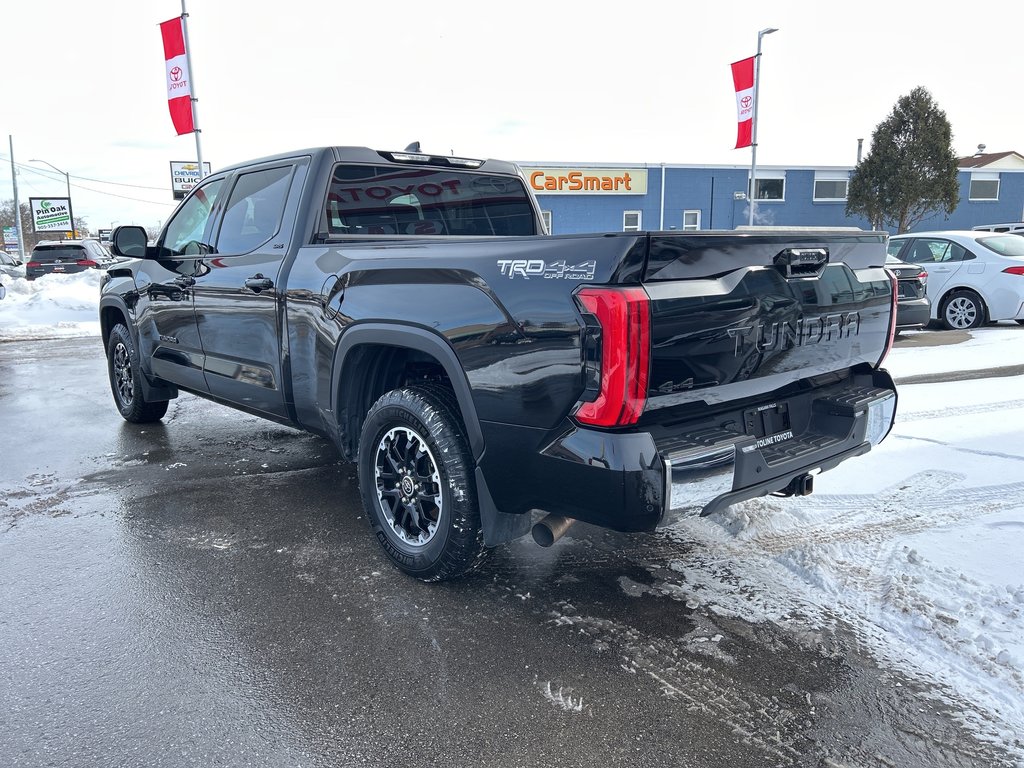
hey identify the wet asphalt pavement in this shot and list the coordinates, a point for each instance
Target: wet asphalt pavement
(206, 591)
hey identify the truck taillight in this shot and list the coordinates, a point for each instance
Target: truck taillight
(624, 315)
(892, 318)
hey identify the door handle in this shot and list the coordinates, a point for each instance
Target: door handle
(258, 283)
(184, 281)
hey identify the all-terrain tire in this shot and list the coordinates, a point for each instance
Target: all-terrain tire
(126, 379)
(417, 481)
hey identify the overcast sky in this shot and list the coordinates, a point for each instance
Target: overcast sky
(639, 82)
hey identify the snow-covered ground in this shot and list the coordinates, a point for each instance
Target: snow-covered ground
(915, 548)
(51, 306)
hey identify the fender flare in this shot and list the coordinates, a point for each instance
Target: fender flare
(421, 340)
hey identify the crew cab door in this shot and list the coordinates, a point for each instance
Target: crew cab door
(239, 299)
(168, 336)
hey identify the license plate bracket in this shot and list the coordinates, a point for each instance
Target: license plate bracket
(767, 419)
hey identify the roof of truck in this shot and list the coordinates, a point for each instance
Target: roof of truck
(367, 155)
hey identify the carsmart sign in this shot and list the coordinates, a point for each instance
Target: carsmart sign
(51, 214)
(184, 176)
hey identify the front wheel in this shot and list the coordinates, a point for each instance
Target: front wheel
(963, 310)
(126, 379)
(416, 479)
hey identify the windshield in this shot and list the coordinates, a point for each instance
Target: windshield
(1004, 245)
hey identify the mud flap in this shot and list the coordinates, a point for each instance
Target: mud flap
(499, 527)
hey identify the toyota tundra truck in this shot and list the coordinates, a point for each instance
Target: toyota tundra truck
(487, 378)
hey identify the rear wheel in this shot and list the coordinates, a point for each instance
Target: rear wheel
(417, 483)
(963, 310)
(126, 379)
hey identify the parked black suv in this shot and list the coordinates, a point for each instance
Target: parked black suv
(65, 256)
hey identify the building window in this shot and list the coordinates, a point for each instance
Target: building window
(691, 220)
(631, 221)
(830, 189)
(773, 188)
(984, 186)
(546, 216)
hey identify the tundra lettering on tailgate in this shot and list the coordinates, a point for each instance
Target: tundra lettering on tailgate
(770, 337)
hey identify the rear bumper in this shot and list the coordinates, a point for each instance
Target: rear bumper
(913, 313)
(629, 481)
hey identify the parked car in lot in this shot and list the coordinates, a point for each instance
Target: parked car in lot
(10, 265)
(66, 256)
(914, 308)
(1015, 228)
(974, 277)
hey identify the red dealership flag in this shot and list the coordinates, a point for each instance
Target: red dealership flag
(179, 79)
(743, 80)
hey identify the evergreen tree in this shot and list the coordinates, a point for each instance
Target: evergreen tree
(910, 172)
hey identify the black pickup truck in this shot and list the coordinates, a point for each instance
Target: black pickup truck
(484, 374)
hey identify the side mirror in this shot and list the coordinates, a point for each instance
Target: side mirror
(129, 241)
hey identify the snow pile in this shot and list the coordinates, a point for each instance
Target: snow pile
(915, 548)
(51, 306)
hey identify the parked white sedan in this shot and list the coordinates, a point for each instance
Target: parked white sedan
(973, 277)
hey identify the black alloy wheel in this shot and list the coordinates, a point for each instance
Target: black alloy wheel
(126, 379)
(417, 480)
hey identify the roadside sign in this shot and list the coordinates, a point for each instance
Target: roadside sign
(104, 235)
(184, 176)
(51, 214)
(11, 238)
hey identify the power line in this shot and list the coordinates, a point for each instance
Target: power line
(50, 175)
(44, 172)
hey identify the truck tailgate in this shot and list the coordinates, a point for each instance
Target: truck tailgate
(736, 316)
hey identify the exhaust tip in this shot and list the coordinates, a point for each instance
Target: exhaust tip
(551, 529)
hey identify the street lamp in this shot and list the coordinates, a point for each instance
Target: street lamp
(67, 178)
(753, 124)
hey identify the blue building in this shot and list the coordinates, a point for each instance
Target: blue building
(610, 197)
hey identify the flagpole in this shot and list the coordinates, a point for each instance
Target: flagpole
(192, 87)
(753, 123)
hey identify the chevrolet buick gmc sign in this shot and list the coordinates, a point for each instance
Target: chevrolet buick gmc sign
(185, 175)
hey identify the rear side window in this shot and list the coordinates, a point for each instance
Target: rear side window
(254, 210)
(1004, 245)
(385, 200)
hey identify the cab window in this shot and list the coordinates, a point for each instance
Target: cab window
(184, 233)
(254, 210)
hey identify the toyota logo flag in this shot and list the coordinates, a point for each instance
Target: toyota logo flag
(179, 81)
(743, 80)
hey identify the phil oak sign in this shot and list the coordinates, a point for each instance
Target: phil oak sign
(51, 214)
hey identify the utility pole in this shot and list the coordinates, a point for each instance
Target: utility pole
(17, 205)
(753, 124)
